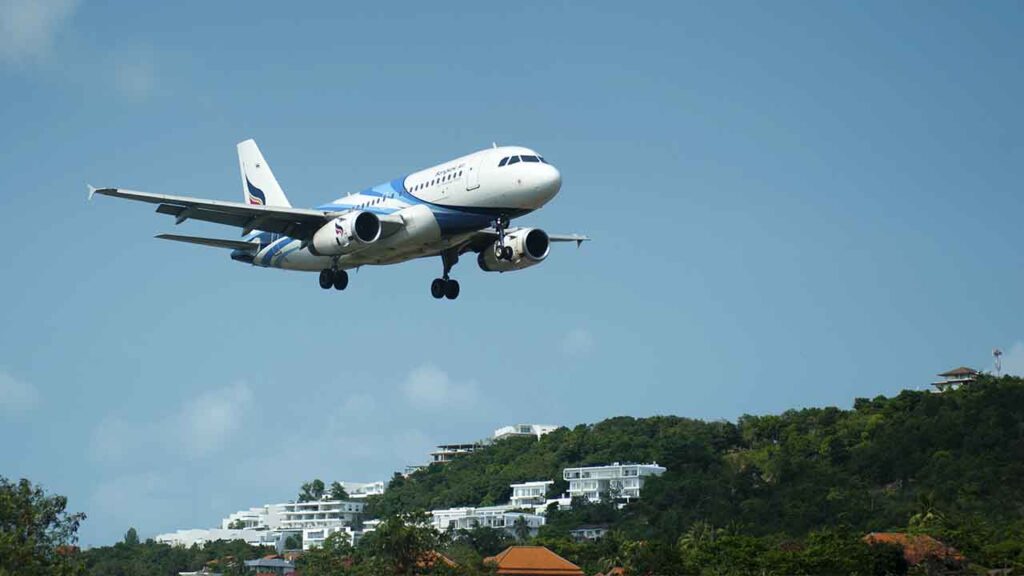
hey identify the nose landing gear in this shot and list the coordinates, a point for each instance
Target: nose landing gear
(445, 287)
(501, 251)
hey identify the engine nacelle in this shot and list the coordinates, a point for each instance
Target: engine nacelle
(529, 246)
(346, 234)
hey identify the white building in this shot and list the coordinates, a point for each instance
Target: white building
(447, 452)
(620, 480)
(499, 517)
(537, 430)
(200, 536)
(252, 518)
(360, 490)
(319, 514)
(530, 494)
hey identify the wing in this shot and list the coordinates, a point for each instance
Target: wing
(214, 242)
(484, 238)
(295, 222)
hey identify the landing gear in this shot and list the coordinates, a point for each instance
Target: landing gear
(501, 251)
(445, 287)
(326, 278)
(330, 277)
(441, 288)
(340, 280)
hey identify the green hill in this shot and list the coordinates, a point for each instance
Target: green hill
(951, 463)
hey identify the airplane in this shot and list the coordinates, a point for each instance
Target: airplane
(463, 205)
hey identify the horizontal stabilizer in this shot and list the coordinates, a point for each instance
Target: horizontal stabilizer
(215, 242)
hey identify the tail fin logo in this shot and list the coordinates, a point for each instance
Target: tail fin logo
(255, 196)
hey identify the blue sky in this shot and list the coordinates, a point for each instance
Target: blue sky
(792, 204)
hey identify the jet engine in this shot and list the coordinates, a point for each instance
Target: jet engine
(529, 246)
(346, 234)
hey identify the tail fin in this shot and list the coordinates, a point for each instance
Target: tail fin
(259, 186)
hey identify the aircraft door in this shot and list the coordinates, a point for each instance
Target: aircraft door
(473, 173)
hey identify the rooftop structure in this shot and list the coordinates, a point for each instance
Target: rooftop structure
(588, 532)
(955, 378)
(537, 430)
(502, 517)
(271, 566)
(448, 452)
(532, 561)
(618, 481)
(530, 494)
(360, 490)
(200, 536)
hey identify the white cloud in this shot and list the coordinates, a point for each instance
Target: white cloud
(1013, 359)
(28, 28)
(430, 387)
(16, 395)
(200, 427)
(210, 419)
(578, 342)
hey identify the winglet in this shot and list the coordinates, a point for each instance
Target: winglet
(92, 190)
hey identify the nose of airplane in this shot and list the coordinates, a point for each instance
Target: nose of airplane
(549, 181)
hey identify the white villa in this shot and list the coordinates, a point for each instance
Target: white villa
(537, 430)
(624, 481)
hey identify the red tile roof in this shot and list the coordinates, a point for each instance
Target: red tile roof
(532, 561)
(961, 371)
(916, 547)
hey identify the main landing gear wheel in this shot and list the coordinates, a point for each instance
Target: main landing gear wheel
(451, 289)
(340, 280)
(437, 288)
(326, 278)
(441, 288)
(445, 287)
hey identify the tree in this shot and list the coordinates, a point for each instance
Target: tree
(237, 524)
(37, 534)
(312, 491)
(521, 528)
(293, 542)
(332, 557)
(401, 542)
(338, 491)
(131, 537)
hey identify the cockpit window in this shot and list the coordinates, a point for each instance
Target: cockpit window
(543, 161)
(530, 159)
(513, 160)
(503, 162)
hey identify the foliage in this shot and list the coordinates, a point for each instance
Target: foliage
(37, 534)
(338, 492)
(332, 557)
(944, 464)
(151, 558)
(312, 491)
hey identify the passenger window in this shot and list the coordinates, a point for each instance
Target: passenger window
(503, 162)
(530, 159)
(513, 160)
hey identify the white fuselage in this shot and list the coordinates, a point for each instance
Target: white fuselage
(438, 207)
